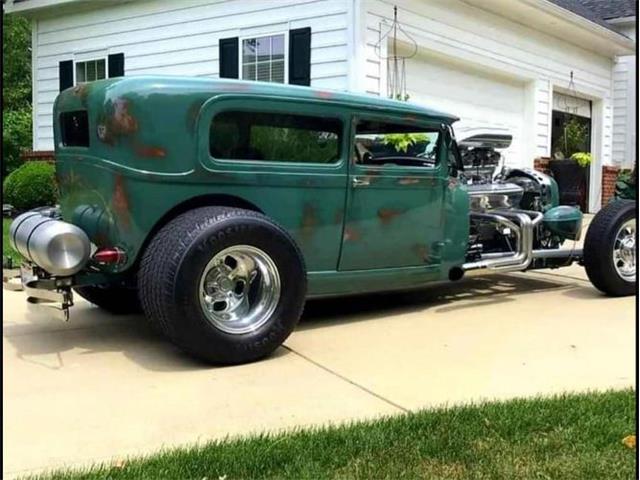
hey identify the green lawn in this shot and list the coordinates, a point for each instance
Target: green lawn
(7, 251)
(565, 437)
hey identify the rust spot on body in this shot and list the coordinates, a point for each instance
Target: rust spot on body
(82, 91)
(309, 222)
(149, 151)
(408, 181)
(324, 94)
(386, 215)
(421, 251)
(120, 123)
(120, 202)
(351, 234)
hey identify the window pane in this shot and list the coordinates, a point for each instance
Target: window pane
(249, 50)
(275, 137)
(101, 70)
(91, 71)
(263, 49)
(80, 77)
(249, 72)
(380, 143)
(277, 71)
(264, 72)
(277, 47)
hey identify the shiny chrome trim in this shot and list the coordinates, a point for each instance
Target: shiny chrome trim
(239, 289)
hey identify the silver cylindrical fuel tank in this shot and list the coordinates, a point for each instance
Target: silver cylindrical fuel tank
(57, 247)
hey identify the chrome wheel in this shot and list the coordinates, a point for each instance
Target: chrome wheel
(239, 289)
(624, 251)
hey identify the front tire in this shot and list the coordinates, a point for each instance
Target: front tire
(609, 249)
(226, 285)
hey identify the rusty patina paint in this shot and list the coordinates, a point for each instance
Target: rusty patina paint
(82, 91)
(408, 181)
(324, 94)
(351, 234)
(117, 124)
(422, 251)
(149, 151)
(309, 221)
(386, 215)
(120, 202)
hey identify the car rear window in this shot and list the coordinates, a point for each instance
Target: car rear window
(275, 137)
(74, 128)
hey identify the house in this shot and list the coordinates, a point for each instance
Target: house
(518, 65)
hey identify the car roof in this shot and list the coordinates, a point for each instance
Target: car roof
(169, 83)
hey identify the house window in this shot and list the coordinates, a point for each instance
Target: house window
(90, 70)
(263, 58)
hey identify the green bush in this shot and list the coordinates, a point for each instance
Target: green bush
(31, 185)
(16, 136)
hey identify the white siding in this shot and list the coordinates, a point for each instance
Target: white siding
(181, 38)
(493, 45)
(624, 111)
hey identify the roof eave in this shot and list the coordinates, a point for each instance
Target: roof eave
(622, 45)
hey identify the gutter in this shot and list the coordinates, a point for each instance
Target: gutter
(625, 43)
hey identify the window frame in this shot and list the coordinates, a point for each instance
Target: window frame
(275, 104)
(241, 40)
(340, 139)
(104, 58)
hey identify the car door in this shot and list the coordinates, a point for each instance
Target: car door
(397, 179)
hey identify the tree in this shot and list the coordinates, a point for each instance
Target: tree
(16, 89)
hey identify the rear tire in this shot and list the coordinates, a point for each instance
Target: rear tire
(181, 269)
(115, 299)
(609, 249)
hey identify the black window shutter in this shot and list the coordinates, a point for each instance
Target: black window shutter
(300, 56)
(116, 65)
(65, 73)
(228, 57)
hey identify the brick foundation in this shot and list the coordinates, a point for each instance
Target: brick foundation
(38, 155)
(541, 164)
(609, 176)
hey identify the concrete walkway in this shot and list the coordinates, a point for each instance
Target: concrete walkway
(103, 387)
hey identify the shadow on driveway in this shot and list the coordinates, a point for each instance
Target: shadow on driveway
(40, 341)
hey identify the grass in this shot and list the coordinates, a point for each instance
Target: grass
(564, 437)
(7, 251)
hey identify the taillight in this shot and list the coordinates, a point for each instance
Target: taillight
(109, 256)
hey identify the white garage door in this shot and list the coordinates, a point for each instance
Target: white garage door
(479, 98)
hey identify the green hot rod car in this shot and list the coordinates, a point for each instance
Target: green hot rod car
(219, 206)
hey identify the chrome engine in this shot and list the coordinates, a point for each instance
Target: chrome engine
(506, 206)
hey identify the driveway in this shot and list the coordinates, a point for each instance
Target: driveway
(102, 387)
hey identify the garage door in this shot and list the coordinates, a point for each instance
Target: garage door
(480, 98)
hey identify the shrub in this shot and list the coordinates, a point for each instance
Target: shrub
(16, 136)
(31, 185)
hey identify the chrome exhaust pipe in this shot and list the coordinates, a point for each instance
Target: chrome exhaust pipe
(521, 258)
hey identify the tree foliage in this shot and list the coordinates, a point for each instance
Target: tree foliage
(16, 91)
(16, 62)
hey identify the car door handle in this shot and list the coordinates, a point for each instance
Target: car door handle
(360, 182)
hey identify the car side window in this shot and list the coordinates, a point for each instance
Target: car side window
(275, 137)
(396, 144)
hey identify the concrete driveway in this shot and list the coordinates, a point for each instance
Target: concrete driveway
(103, 387)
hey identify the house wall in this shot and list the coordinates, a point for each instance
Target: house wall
(181, 38)
(486, 42)
(625, 71)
